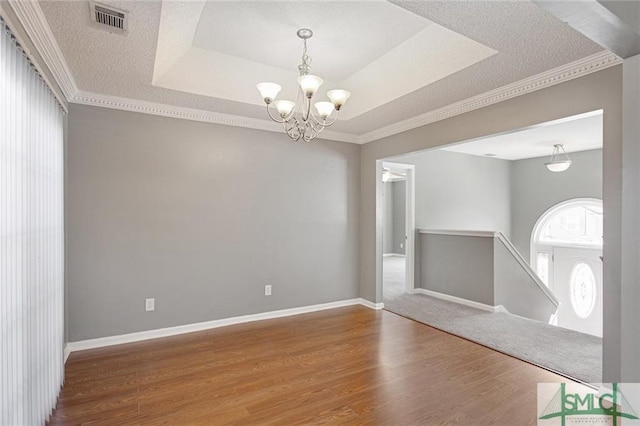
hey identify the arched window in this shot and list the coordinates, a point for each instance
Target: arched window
(573, 223)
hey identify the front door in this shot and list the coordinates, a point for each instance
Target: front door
(577, 282)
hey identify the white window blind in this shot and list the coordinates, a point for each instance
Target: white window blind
(31, 245)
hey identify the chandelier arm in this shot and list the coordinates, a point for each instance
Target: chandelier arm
(312, 123)
(314, 133)
(293, 134)
(290, 128)
(335, 118)
(315, 119)
(271, 116)
(300, 131)
(324, 123)
(306, 116)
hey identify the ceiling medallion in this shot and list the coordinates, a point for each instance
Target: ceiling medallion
(297, 119)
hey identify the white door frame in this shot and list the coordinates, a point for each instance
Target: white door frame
(410, 222)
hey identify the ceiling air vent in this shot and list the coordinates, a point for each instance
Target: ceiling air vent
(108, 18)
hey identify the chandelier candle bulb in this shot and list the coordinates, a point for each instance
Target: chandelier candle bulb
(338, 97)
(269, 91)
(309, 84)
(284, 107)
(324, 109)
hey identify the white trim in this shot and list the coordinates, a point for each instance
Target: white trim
(189, 328)
(154, 108)
(35, 25)
(485, 234)
(528, 269)
(66, 352)
(536, 247)
(550, 212)
(394, 255)
(409, 220)
(459, 300)
(60, 97)
(590, 64)
(371, 305)
(570, 71)
(501, 309)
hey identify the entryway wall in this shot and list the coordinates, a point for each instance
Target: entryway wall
(464, 192)
(534, 190)
(394, 217)
(460, 192)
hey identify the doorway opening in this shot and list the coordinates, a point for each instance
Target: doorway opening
(566, 253)
(398, 229)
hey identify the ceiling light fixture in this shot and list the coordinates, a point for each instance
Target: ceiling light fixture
(301, 122)
(559, 161)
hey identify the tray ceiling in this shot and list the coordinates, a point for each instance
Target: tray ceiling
(398, 60)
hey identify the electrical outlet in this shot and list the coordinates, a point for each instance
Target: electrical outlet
(401, 245)
(150, 304)
(267, 290)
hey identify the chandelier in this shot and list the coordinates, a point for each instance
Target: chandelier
(559, 161)
(298, 119)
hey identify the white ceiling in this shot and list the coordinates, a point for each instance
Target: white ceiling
(229, 47)
(399, 59)
(578, 133)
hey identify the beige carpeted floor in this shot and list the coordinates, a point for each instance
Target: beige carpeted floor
(568, 352)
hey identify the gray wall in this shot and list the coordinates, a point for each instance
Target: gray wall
(201, 217)
(598, 90)
(460, 266)
(399, 216)
(630, 294)
(461, 192)
(534, 190)
(388, 217)
(394, 217)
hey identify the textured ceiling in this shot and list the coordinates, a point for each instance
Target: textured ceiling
(579, 133)
(228, 48)
(476, 47)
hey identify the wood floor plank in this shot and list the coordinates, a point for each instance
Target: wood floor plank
(348, 365)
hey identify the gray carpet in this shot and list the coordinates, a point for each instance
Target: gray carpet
(568, 352)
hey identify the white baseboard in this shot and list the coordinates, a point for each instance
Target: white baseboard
(189, 328)
(501, 309)
(459, 300)
(67, 352)
(393, 255)
(371, 305)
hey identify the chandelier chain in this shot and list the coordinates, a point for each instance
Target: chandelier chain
(305, 66)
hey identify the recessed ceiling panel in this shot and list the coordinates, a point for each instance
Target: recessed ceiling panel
(239, 44)
(347, 35)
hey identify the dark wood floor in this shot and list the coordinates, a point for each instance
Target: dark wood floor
(349, 365)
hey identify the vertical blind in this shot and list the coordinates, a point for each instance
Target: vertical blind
(32, 244)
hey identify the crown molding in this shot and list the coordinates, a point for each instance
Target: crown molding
(570, 71)
(32, 19)
(134, 105)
